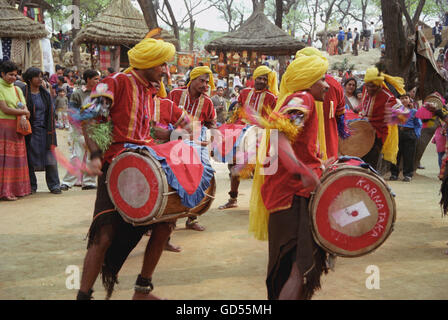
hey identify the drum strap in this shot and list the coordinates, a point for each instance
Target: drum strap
(156, 115)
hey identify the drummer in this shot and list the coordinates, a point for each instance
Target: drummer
(194, 99)
(333, 111)
(296, 262)
(111, 239)
(383, 110)
(262, 98)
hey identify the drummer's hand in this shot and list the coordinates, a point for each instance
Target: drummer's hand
(94, 167)
(328, 162)
(310, 181)
(162, 134)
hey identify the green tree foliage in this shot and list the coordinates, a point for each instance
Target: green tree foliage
(61, 12)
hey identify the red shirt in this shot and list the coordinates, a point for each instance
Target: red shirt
(263, 101)
(165, 112)
(130, 111)
(378, 110)
(279, 189)
(334, 106)
(200, 109)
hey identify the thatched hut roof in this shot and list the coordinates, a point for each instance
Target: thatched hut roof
(258, 34)
(35, 4)
(119, 24)
(13, 24)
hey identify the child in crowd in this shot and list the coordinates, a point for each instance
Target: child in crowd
(61, 104)
(440, 141)
(408, 135)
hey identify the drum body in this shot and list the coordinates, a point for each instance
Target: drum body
(238, 147)
(361, 140)
(138, 187)
(352, 211)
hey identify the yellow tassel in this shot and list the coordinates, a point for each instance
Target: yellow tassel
(258, 214)
(390, 147)
(246, 172)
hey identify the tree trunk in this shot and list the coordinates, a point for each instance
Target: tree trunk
(75, 29)
(191, 45)
(149, 13)
(279, 13)
(399, 48)
(174, 25)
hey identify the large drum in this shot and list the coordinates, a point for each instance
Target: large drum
(235, 141)
(361, 140)
(138, 188)
(352, 210)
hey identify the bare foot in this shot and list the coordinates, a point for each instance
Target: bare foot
(143, 296)
(11, 198)
(171, 247)
(194, 226)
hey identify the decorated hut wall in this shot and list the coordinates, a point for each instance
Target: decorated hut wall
(23, 40)
(243, 50)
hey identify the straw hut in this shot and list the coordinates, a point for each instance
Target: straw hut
(120, 25)
(257, 34)
(242, 49)
(21, 37)
(13, 24)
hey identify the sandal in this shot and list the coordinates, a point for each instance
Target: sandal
(194, 225)
(230, 204)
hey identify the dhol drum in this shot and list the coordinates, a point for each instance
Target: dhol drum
(138, 188)
(360, 141)
(237, 141)
(352, 210)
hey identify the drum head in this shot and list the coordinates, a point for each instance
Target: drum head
(361, 140)
(136, 186)
(434, 99)
(352, 212)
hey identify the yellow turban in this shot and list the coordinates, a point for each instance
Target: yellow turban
(300, 75)
(376, 77)
(272, 77)
(199, 71)
(309, 51)
(150, 53)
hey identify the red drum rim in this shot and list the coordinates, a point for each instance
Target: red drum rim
(156, 201)
(350, 177)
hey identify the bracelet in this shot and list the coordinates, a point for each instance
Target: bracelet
(96, 154)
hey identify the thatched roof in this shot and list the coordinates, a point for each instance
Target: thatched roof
(119, 24)
(258, 34)
(14, 24)
(35, 4)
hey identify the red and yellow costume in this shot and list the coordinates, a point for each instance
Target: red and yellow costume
(200, 109)
(165, 112)
(306, 148)
(261, 101)
(333, 108)
(130, 111)
(378, 109)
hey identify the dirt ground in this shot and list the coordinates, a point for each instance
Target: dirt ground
(43, 237)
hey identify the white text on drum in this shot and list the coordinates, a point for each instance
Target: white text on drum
(378, 200)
